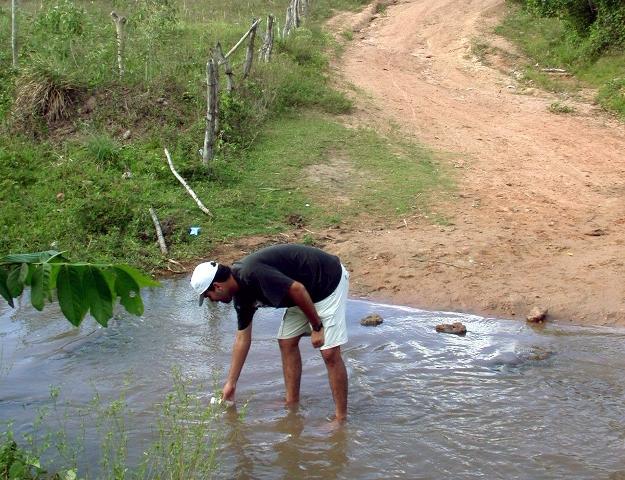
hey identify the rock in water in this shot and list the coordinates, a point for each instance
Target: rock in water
(456, 328)
(372, 320)
(537, 315)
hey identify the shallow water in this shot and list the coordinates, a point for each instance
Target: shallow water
(505, 401)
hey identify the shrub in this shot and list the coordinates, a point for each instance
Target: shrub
(61, 17)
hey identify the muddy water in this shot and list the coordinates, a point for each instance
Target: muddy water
(505, 401)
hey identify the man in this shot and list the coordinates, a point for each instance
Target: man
(311, 284)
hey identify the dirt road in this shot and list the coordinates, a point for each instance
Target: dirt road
(539, 216)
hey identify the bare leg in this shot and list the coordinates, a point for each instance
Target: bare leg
(337, 376)
(291, 367)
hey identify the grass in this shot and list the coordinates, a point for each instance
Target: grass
(547, 44)
(73, 180)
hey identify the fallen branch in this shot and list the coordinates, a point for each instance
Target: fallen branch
(180, 269)
(553, 70)
(186, 186)
(159, 232)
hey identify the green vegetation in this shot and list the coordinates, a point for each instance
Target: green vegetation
(185, 441)
(584, 38)
(81, 151)
(559, 107)
(80, 287)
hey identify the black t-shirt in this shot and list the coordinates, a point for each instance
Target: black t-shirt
(264, 277)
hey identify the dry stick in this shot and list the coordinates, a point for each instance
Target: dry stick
(184, 184)
(265, 51)
(211, 113)
(249, 55)
(222, 60)
(232, 50)
(14, 31)
(120, 23)
(159, 232)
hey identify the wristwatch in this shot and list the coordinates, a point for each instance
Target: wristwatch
(318, 327)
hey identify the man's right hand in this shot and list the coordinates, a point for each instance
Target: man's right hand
(317, 338)
(228, 391)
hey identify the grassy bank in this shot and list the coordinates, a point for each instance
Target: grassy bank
(82, 179)
(548, 42)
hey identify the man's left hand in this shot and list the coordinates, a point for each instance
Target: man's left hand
(316, 338)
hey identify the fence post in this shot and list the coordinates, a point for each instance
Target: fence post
(211, 112)
(249, 55)
(222, 60)
(288, 21)
(265, 51)
(120, 23)
(14, 31)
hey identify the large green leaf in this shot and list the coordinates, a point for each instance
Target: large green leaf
(71, 293)
(37, 257)
(40, 286)
(99, 295)
(129, 292)
(13, 282)
(141, 279)
(4, 291)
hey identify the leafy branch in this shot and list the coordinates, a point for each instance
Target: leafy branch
(81, 288)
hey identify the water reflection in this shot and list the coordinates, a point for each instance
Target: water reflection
(506, 401)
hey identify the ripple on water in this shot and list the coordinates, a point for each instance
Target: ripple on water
(504, 401)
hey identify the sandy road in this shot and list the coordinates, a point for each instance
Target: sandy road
(539, 216)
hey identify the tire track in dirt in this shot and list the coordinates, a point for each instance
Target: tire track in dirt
(538, 218)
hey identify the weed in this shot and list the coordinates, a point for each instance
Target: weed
(187, 435)
(561, 108)
(380, 7)
(612, 96)
(347, 35)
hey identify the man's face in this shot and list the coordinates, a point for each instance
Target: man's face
(220, 293)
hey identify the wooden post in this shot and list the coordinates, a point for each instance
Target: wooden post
(222, 60)
(297, 12)
(14, 31)
(120, 23)
(249, 55)
(288, 21)
(265, 51)
(211, 106)
(159, 232)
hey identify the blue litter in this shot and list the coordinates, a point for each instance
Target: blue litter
(195, 231)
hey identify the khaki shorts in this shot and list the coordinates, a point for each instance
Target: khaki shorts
(331, 311)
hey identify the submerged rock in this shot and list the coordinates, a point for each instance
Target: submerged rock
(456, 328)
(537, 315)
(372, 320)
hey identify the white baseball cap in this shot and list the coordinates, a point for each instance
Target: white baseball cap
(202, 277)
